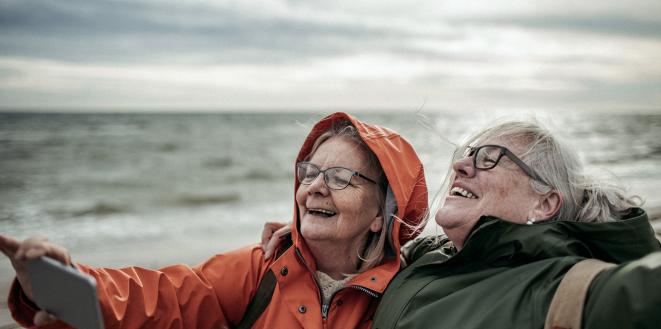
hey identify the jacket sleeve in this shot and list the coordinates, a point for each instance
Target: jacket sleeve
(627, 296)
(418, 247)
(214, 294)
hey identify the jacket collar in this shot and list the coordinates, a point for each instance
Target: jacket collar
(495, 242)
(619, 241)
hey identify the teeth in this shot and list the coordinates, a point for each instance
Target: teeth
(323, 211)
(462, 192)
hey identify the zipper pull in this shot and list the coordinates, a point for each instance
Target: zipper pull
(324, 311)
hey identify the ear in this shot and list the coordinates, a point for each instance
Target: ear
(377, 224)
(547, 206)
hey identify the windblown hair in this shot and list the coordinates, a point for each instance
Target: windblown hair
(374, 250)
(585, 198)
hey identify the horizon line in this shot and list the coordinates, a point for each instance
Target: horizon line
(293, 109)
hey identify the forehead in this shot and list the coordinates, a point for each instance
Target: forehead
(340, 152)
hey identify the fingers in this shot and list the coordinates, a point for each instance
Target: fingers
(32, 248)
(269, 229)
(270, 248)
(275, 241)
(8, 245)
(43, 318)
(37, 246)
(282, 232)
(60, 253)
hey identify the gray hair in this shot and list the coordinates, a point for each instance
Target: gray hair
(375, 248)
(585, 198)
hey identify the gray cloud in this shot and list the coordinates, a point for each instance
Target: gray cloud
(138, 52)
(135, 32)
(615, 25)
(83, 31)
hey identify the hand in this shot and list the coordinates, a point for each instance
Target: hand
(32, 248)
(272, 237)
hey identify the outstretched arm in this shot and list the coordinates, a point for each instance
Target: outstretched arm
(214, 294)
(627, 296)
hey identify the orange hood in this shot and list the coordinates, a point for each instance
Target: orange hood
(402, 168)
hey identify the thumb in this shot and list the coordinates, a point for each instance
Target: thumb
(43, 318)
(276, 241)
(8, 246)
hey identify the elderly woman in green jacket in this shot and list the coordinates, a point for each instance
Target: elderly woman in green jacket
(518, 214)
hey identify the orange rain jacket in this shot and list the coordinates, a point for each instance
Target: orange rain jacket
(216, 293)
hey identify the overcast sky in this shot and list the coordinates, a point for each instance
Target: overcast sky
(309, 54)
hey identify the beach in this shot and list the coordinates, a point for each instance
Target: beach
(158, 189)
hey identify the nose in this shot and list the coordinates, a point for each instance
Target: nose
(318, 186)
(464, 167)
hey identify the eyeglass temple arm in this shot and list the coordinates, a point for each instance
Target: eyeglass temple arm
(363, 177)
(524, 166)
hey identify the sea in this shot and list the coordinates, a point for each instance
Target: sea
(151, 189)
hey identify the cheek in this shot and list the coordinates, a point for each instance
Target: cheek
(301, 195)
(505, 186)
(347, 204)
(502, 193)
(509, 200)
(497, 196)
(362, 203)
(370, 200)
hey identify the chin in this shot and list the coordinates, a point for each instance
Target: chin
(315, 233)
(451, 219)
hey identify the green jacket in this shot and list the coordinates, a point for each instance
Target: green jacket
(507, 273)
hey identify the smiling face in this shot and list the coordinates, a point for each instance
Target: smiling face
(503, 191)
(339, 216)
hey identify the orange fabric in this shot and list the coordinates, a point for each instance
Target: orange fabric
(216, 293)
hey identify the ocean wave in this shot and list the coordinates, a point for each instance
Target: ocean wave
(168, 147)
(208, 199)
(222, 162)
(98, 209)
(257, 175)
(626, 156)
(8, 182)
(8, 217)
(655, 151)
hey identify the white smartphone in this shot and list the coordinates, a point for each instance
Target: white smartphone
(65, 292)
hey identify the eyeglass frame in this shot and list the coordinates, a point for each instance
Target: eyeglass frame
(504, 151)
(353, 174)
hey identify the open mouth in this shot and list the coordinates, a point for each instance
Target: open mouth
(458, 191)
(321, 212)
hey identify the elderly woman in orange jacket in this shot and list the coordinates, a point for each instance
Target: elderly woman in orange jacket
(359, 190)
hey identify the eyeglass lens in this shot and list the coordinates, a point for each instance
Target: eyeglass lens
(336, 178)
(487, 157)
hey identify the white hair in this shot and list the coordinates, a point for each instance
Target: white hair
(585, 198)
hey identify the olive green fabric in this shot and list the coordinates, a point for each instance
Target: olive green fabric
(506, 275)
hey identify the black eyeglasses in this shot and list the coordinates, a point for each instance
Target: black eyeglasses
(336, 178)
(486, 157)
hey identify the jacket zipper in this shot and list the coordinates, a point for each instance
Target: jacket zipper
(367, 291)
(326, 308)
(314, 278)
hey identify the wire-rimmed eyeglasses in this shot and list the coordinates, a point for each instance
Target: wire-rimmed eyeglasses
(336, 178)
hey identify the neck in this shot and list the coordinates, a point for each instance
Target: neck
(457, 235)
(336, 258)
